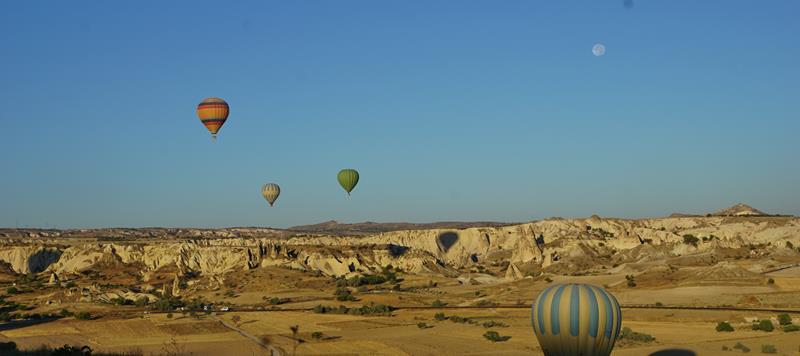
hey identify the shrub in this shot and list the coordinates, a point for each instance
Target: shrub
(438, 303)
(4, 316)
(764, 325)
(768, 349)
(493, 336)
(741, 346)
(725, 348)
(630, 335)
(65, 313)
(631, 281)
(690, 239)
(71, 284)
(316, 335)
(492, 324)
(12, 290)
(458, 319)
(166, 304)
(659, 304)
(724, 326)
(169, 315)
(485, 303)
(784, 319)
(791, 328)
(439, 316)
(141, 302)
(83, 315)
(423, 326)
(278, 301)
(770, 281)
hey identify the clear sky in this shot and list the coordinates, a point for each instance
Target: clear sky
(450, 110)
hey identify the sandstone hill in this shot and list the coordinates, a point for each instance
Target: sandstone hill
(739, 210)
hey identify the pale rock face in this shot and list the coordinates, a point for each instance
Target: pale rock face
(31, 258)
(439, 251)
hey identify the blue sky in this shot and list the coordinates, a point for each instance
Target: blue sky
(467, 110)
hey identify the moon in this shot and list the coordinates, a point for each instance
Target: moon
(598, 49)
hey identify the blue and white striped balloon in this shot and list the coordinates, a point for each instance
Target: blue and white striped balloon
(576, 319)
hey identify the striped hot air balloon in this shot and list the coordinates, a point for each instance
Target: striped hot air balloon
(576, 319)
(348, 178)
(212, 113)
(270, 191)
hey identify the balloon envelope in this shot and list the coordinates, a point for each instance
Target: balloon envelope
(348, 178)
(598, 49)
(212, 113)
(270, 191)
(576, 319)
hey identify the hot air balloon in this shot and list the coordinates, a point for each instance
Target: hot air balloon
(270, 191)
(348, 178)
(576, 319)
(212, 113)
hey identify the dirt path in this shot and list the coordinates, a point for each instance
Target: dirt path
(273, 351)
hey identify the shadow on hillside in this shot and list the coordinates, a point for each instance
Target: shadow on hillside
(18, 324)
(40, 260)
(674, 352)
(10, 349)
(446, 240)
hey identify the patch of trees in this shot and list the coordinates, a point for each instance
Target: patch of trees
(373, 309)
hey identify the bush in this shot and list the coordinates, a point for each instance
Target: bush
(423, 326)
(764, 325)
(70, 284)
(169, 315)
(4, 316)
(659, 304)
(141, 302)
(630, 335)
(631, 281)
(689, 239)
(791, 328)
(485, 303)
(492, 324)
(316, 335)
(12, 290)
(768, 349)
(741, 346)
(83, 315)
(166, 304)
(770, 281)
(724, 326)
(439, 316)
(459, 319)
(65, 313)
(438, 303)
(278, 301)
(784, 319)
(493, 336)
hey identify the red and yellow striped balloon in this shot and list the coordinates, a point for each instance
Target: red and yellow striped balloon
(212, 113)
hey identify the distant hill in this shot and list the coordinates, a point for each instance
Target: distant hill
(739, 210)
(368, 227)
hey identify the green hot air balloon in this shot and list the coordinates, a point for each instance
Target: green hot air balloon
(576, 319)
(270, 191)
(348, 178)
